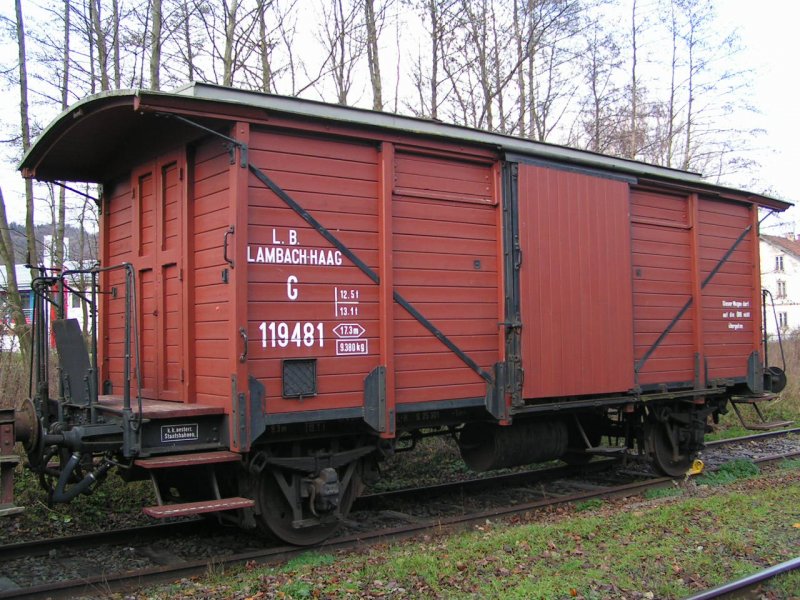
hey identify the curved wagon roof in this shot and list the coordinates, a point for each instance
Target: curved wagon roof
(99, 136)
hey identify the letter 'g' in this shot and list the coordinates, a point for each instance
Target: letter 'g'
(291, 291)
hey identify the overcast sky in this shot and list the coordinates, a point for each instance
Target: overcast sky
(768, 30)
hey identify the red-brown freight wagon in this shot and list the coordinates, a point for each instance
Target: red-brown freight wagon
(288, 290)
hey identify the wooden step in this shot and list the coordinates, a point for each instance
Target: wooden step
(187, 460)
(197, 508)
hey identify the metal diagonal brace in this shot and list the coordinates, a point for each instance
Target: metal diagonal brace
(232, 143)
(308, 218)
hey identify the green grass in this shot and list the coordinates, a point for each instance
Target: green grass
(588, 504)
(730, 472)
(615, 550)
(663, 492)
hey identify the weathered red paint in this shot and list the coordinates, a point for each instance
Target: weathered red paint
(576, 283)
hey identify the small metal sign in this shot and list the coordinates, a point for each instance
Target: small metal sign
(187, 432)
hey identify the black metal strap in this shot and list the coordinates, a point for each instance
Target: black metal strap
(231, 142)
(75, 191)
(308, 218)
(688, 304)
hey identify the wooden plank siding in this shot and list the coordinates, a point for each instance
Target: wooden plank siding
(117, 228)
(731, 301)
(446, 263)
(662, 285)
(301, 287)
(209, 209)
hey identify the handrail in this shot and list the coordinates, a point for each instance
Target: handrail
(42, 286)
(131, 329)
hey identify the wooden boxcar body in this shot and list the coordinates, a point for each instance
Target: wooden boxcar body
(305, 284)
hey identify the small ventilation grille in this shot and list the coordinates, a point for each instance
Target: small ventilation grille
(299, 378)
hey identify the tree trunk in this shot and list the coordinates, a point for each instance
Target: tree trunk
(60, 220)
(436, 33)
(264, 47)
(115, 44)
(155, 47)
(187, 40)
(632, 143)
(687, 156)
(20, 327)
(230, 32)
(518, 38)
(25, 130)
(102, 47)
(372, 54)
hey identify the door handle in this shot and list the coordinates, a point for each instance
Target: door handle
(243, 355)
(225, 246)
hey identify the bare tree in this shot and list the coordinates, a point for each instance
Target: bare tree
(25, 130)
(100, 42)
(599, 115)
(155, 46)
(115, 43)
(14, 300)
(231, 14)
(59, 221)
(342, 37)
(265, 46)
(186, 28)
(634, 140)
(373, 24)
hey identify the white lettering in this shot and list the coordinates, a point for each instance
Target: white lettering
(293, 237)
(294, 256)
(291, 291)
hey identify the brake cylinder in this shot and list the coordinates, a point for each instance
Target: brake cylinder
(485, 446)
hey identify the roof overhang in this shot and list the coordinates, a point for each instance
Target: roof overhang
(103, 135)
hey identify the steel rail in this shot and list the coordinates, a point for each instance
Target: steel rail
(749, 580)
(97, 538)
(755, 436)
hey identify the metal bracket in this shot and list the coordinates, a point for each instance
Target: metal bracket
(375, 399)
(258, 424)
(496, 392)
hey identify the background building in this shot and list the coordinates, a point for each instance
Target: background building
(780, 274)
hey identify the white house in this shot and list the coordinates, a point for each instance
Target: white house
(780, 274)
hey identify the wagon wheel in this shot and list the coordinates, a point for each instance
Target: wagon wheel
(660, 447)
(276, 515)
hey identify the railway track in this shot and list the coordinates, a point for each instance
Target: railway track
(392, 517)
(740, 587)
